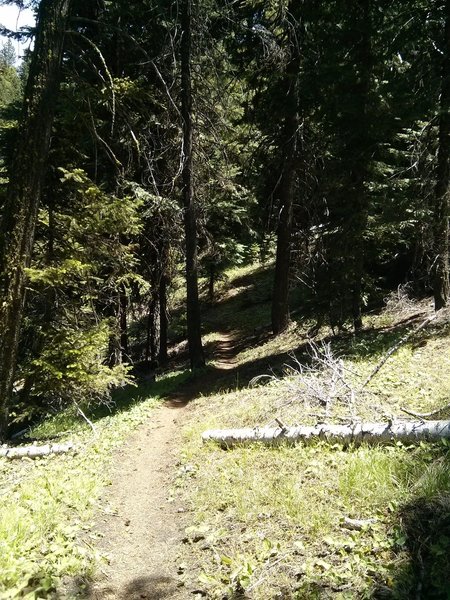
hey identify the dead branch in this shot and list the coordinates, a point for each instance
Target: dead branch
(396, 346)
(433, 413)
(37, 451)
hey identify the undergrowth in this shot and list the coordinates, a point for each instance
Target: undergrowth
(295, 522)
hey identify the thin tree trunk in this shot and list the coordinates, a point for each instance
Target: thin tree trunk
(280, 298)
(211, 282)
(123, 323)
(190, 222)
(163, 320)
(114, 345)
(153, 331)
(24, 190)
(51, 233)
(442, 191)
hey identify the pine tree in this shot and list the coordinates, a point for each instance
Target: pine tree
(25, 182)
(190, 225)
(442, 193)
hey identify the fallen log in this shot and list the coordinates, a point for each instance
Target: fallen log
(407, 432)
(36, 451)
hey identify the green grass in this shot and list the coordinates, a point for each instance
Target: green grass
(47, 504)
(265, 523)
(272, 520)
(295, 500)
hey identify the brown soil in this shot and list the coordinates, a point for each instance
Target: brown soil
(141, 530)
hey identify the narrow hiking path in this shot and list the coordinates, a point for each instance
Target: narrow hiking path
(141, 527)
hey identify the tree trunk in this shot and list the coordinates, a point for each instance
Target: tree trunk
(442, 191)
(151, 346)
(280, 298)
(112, 310)
(163, 320)
(24, 190)
(359, 150)
(280, 295)
(123, 323)
(373, 433)
(190, 222)
(211, 282)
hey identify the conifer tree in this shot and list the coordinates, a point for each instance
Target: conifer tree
(25, 183)
(441, 285)
(190, 223)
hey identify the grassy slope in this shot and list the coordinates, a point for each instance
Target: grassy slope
(269, 522)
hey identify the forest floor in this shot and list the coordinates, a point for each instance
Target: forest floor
(145, 510)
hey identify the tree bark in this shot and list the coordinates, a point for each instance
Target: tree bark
(190, 221)
(359, 151)
(123, 323)
(442, 191)
(24, 190)
(151, 345)
(211, 282)
(280, 295)
(372, 433)
(163, 320)
(113, 311)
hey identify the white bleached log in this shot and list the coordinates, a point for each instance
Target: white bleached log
(373, 433)
(36, 451)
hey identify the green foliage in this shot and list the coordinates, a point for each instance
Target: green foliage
(69, 326)
(10, 94)
(7, 54)
(10, 89)
(10, 86)
(71, 367)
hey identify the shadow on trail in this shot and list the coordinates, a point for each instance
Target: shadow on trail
(149, 588)
(141, 588)
(226, 374)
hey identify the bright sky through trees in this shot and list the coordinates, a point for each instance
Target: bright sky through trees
(12, 17)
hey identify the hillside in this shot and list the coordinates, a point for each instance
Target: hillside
(277, 522)
(316, 521)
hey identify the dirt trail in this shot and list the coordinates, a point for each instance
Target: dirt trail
(141, 531)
